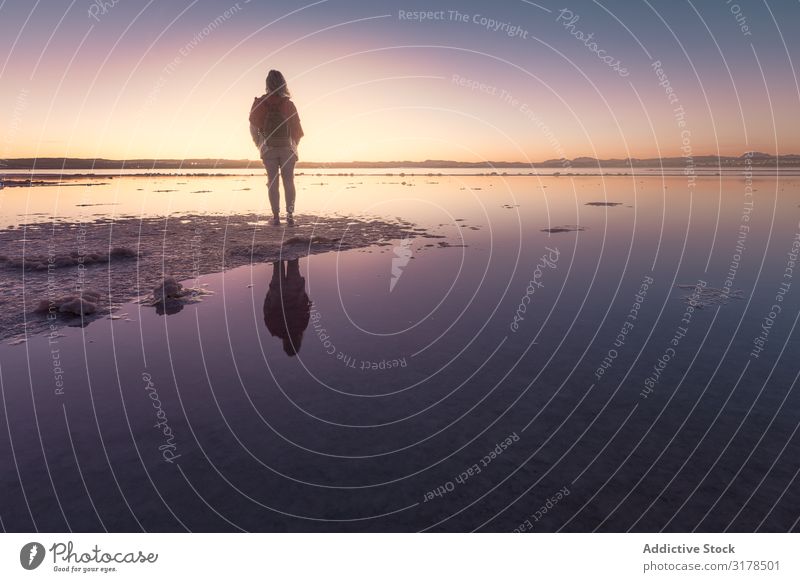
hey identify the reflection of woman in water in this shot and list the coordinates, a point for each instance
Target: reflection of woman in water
(286, 306)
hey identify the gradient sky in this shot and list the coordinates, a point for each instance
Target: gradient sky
(143, 79)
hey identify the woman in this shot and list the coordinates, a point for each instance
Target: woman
(276, 130)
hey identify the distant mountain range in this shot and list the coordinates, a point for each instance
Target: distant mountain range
(756, 159)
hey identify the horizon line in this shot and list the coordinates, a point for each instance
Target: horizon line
(32, 163)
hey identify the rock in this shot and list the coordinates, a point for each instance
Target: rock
(92, 296)
(83, 304)
(168, 289)
(78, 306)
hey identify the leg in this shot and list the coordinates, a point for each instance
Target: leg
(272, 163)
(287, 175)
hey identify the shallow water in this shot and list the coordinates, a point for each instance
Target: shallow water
(441, 387)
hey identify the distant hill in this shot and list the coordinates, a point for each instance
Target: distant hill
(756, 159)
(104, 164)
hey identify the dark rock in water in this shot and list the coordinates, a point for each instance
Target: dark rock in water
(604, 204)
(169, 288)
(564, 228)
(170, 296)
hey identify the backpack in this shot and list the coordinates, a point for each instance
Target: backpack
(275, 128)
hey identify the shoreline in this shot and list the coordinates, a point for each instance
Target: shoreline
(124, 259)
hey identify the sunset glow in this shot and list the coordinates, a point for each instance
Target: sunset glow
(371, 82)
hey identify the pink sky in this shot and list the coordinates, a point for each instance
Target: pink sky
(166, 83)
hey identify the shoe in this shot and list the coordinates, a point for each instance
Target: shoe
(276, 221)
(289, 220)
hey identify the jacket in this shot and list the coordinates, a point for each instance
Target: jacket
(258, 113)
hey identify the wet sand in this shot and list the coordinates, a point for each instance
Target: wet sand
(124, 258)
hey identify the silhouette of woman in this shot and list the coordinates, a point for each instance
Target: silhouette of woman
(276, 130)
(287, 308)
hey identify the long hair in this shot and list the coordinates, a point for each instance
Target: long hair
(276, 83)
